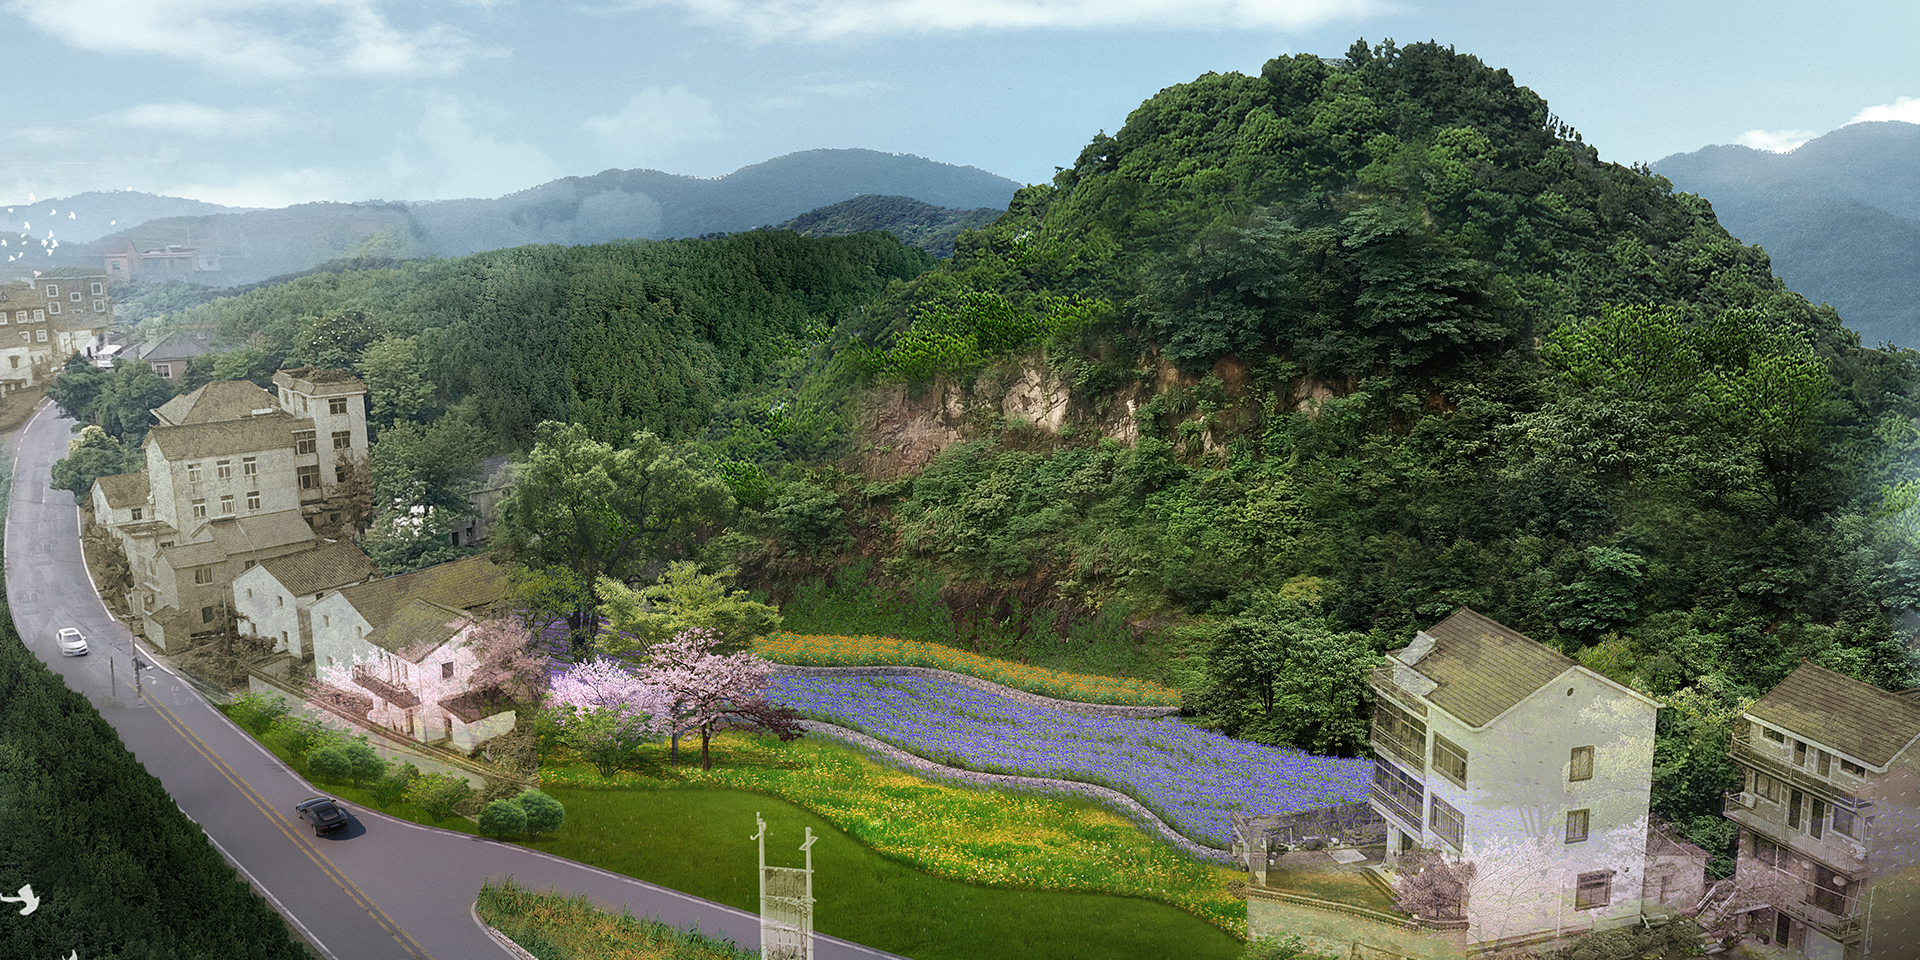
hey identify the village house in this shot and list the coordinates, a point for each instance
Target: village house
(234, 477)
(45, 320)
(275, 598)
(402, 641)
(168, 353)
(124, 261)
(496, 481)
(1495, 750)
(1829, 818)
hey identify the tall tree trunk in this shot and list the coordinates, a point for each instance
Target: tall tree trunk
(706, 733)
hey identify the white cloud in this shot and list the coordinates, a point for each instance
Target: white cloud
(278, 189)
(461, 162)
(181, 117)
(1905, 109)
(834, 19)
(654, 123)
(268, 38)
(855, 88)
(1777, 141)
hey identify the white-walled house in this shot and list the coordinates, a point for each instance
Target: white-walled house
(403, 639)
(1829, 818)
(1496, 750)
(275, 598)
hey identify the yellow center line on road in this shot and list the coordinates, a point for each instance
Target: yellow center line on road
(305, 844)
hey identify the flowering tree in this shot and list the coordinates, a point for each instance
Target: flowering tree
(1431, 887)
(702, 689)
(607, 711)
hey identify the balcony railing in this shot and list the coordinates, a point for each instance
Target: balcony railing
(1406, 753)
(1409, 818)
(1760, 755)
(1837, 851)
(394, 693)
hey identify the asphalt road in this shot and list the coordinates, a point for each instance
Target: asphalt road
(382, 889)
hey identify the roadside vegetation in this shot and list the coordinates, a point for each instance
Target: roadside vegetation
(554, 926)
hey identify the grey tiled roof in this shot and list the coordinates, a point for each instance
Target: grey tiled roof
(251, 435)
(325, 567)
(417, 628)
(1481, 669)
(1837, 711)
(221, 400)
(462, 584)
(124, 489)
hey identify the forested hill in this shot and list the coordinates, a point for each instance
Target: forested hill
(1840, 215)
(1295, 364)
(608, 206)
(922, 225)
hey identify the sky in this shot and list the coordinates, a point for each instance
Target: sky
(276, 102)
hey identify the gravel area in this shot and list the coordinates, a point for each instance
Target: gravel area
(1127, 805)
(1069, 706)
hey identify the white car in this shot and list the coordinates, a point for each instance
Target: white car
(72, 643)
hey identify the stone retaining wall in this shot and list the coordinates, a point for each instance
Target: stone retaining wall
(1069, 706)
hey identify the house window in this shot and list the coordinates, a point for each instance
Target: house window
(1799, 753)
(39, 316)
(1825, 765)
(99, 288)
(1795, 802)
(282, 601)
(53, 290)
(194, 473)
(199, 509)
(309, 477)
(326, 620)
(1852, 769)
(53, 308)
(1450, 759)
(336, 405)
(226, 504)
(206, 614)
(303, 441)
(223, 469)
(1843, 821)
(1577, 825)
(342, 439)
(1766, 851)
(1765, 787)
(203, 575)
(249, 593)
(253, 499)
(1829, 891)
(74, 296)
(1817, 818)
(1776, 736)
(249, 566)
(446, 670)
(1402, 793)
(136, 513)
(99, 306)
(20, 316)
(1580, 766)
(249, 466)
(163, 370)
(1448, 823)
(1401, 731)
(40, 335)
(1595, 890)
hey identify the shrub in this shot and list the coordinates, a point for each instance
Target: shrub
(501, 818)
(393, 781)
(256, 711)
(364, 762)
(330, 763)
(1288, 947)
(297, 734)
(544, 813)
(438, 793)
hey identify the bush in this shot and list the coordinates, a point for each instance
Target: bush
(256, 712)
(330, 763)
(502, 818)
(394, 779)
(364, 762)
(301, 735)
(438, 793)
(1288, 947)
(544, 813)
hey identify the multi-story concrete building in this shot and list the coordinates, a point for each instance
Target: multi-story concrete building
(45, 320)
(1498, 751)
(1829, 818)
(234, 476)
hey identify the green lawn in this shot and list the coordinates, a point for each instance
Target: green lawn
(696, 840)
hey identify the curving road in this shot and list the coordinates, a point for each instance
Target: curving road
(384, 889)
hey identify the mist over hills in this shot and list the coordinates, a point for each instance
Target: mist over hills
(1840, 217)
(253, 245)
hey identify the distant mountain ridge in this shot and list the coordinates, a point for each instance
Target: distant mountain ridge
(611, 205)
(923, 225)
(1840, 217)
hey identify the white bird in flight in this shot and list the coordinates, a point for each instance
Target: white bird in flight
(26, 896)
